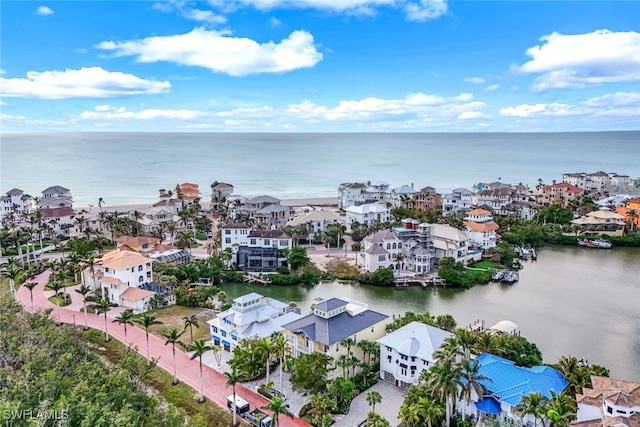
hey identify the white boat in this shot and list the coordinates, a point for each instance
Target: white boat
(596, 243)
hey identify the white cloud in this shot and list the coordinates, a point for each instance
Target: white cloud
(91, 82)
(619, 99)
(491, 88)
(425, 9)
(581, 60)
(44, 11)
(528, 110)
(204, 16)
(274, 22)
(474, 80)
(218, 51)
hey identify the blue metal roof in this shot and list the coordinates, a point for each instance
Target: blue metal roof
(489, 405)
(510, 382)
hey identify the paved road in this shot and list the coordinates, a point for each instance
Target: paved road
(214, 383)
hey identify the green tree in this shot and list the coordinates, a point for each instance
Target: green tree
(430, 410)
(554, 214)
(12, 271)
(199, 348)
(146, 321)
(125, 318)
(84, 290)
(233, 378)
(173, 337)
(297, 257)
(373, 397)
(190, 322)
(471, 380)
(532, 404)
(102, 307)
(444, 382)
(309, 372)
(278, 407)
(31, 286)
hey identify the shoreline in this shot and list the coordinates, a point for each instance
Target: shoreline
(294, 202)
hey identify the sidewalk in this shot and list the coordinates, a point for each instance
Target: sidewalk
(215, 388)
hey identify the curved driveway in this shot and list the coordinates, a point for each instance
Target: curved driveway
(214, 382)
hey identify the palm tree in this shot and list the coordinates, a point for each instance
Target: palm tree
(173, 336)
(466, 340)
(30, 286)
(11, 270)
(148, 320)
(278, 407)
(233, 378)
(532, 404)
(472, 380)
(171, 228)
(185, 240)
(190, 322)
(410, 414)
(199, 348)
(56, 286)
(102, 307)
(444, 380)
(279, 348)
(430, 410)
(84, 290)
(373, 397)
(125, 319)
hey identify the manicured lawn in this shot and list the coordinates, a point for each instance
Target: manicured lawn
(181, 395)
(63, 302)
(488, 264)
(173, 317)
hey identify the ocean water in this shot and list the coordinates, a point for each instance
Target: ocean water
(130, 168)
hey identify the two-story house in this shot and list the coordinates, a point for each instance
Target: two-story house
(350, 193)
(60, 220)
(406, 352)
(401, 196)
(459, 200)
(55, 196)
(427, 198)
(220, 192)
(330, 322)
(367, 214)
(602, 221)
(560, 193)
(251, 316)
(119, 270)
(189, 191)
(481, 228)
(315, 222)
(452, 242)
(15, 204)
(608, 403)
(265, 210)
(255, 249)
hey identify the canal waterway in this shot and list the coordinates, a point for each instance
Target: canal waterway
(572, 301)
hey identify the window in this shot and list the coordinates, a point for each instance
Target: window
(227, 240)
(388, 245)
(382, 258)
(403, 371)
(267, 242)
(227, 231)
(337, 346)
(214, 329)
(372, 328)
(140, 279)
(139, 268)
(253, 241)
(326, 348)
(223, 333)
(284, 242)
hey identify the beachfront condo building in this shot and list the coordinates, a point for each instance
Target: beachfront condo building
(15, 204)
(55, 196)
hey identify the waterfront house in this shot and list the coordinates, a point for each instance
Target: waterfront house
(220, 192)
(599, 181)
(608, 403)
(265, 210)
(451, 242)
(255, 249)
(367, 214)
(55, 196)
(118, 270)
(188, 191)
(350, 193)
(167, 201)
(59, 219)
(427, 198)
(505, 386)
(401, 196)
(602, 221)
(630, 210)
(381, 250)
(251, 316)
(481, 228)
(330, 322)
(459, 200)
(15, 204)
(406, 352)
(315, 222)
(560, 193)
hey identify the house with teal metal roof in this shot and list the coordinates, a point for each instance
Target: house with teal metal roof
(506, 385)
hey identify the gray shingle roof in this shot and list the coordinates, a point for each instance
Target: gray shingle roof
(14, 192)
(330, 304)
(55, 189)
(376, 249)
(335, 329)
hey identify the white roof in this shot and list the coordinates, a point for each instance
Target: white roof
(316, 216)
(367, 208)
(444, 231)
(506, 326)
(415, 339)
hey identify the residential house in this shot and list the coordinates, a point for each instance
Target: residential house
(406, 352)
(602, 221)
(59, 219)
(55, 196)
(382, 250)
(401, 196)
(315, 222)
(427, 198)
(459, 200)
(140, 244)
(599, 181)
(136, 299)
(220, 192)
(560, 193)
(251, 316)
(630, 210)
(608, 403)
(15, 204)
(119, 270)
(255, 249)
(367, 214)
(265, 210)
(505, 386)
(481, 228)
(168, 201)
(330, 322)
(350, 193)
(153, 217)
(451, 242)
(189, 191)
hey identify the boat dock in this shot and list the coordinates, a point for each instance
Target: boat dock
(425, 282)
(256, 277)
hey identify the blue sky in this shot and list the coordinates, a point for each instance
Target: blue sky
(320, 65)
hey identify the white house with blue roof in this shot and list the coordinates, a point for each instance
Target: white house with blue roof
(409, 350)
(329, 323)
(251, 316)
(506, 384)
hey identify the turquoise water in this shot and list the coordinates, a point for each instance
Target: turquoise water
(129, 168)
